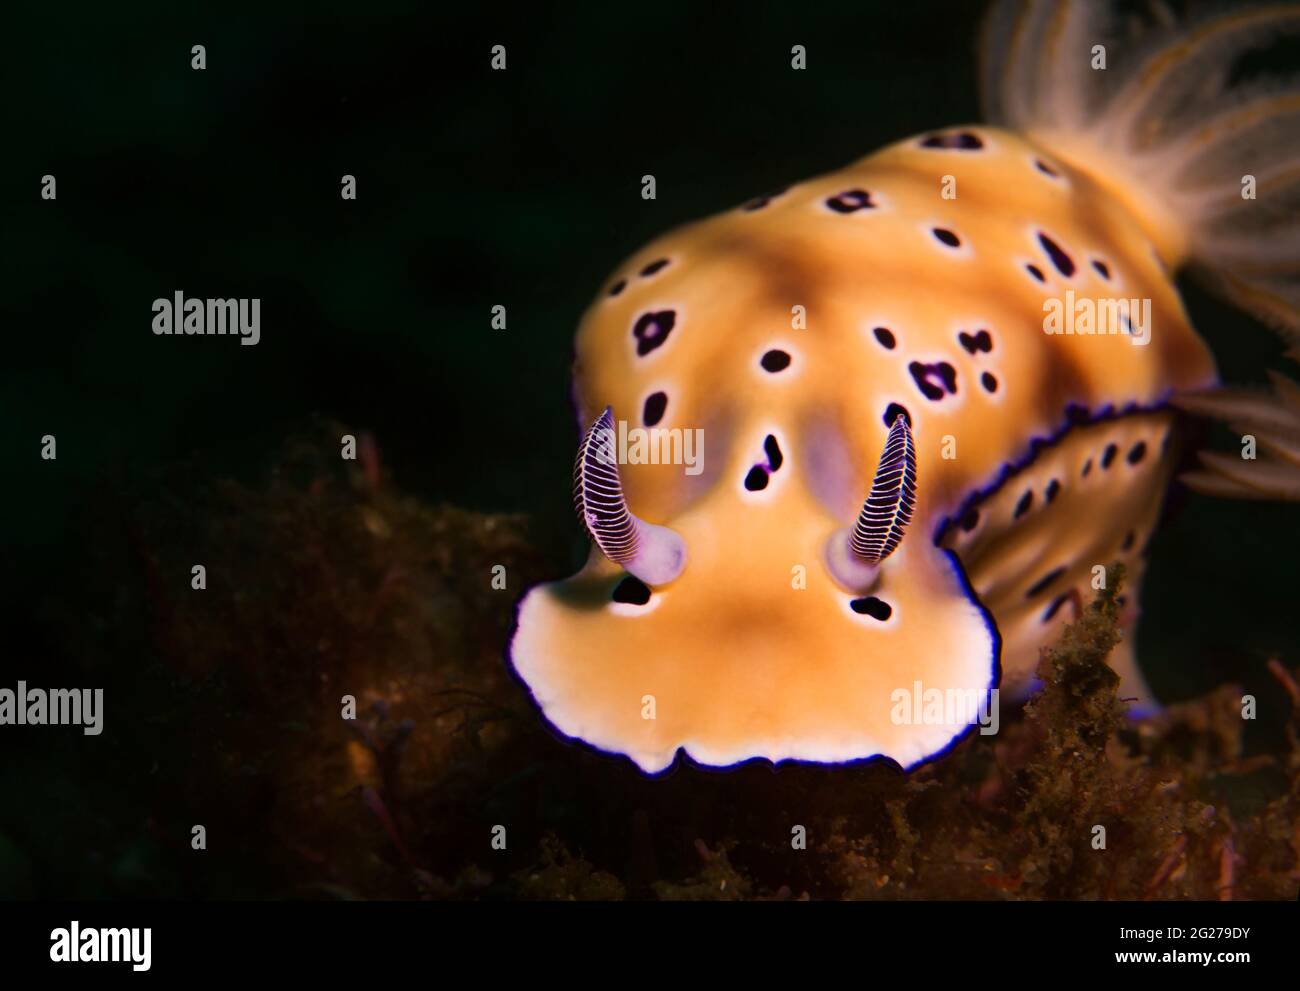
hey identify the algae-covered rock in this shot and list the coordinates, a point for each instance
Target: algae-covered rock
(334, 705)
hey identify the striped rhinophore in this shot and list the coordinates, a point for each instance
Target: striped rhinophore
(888, 509)
(598, 493)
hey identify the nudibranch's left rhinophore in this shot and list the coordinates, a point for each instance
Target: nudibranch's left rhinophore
(928, 400)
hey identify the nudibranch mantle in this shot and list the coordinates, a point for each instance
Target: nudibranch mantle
(791, 333)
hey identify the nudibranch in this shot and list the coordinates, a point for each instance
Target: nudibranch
(875, 434)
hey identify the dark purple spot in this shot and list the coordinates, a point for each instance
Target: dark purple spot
(956, 140)
(1046, 169)
(756, 480)
(946, 236)
(618, 287)
(654, 266)
(758, 202)
(653, 412)
(970, 520)
(775, 361)
(871, 606)
(652, 329)
(774, 456)
(1102, 269)
(1087, 467)
(989, 381)
(885, 336)
(1042, 583)
(1063, 262)
(1108, 455)
(924, 376)
(893, 411)
(1137, 452)
(1129, 538)
(1025, 503)
(980, 341)
(1036, 272)
(1052, 490)
(1055, 607)
(632, 591)
(851, 201)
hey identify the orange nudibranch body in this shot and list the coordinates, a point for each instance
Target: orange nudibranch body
(787, 335)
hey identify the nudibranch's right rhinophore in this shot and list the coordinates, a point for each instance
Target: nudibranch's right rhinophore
(931, 399)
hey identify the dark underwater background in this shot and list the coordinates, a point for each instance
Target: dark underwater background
(475, 188)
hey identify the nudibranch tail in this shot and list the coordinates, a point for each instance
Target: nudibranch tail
(1171, 128)
(1206, 157)
(654, 554)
